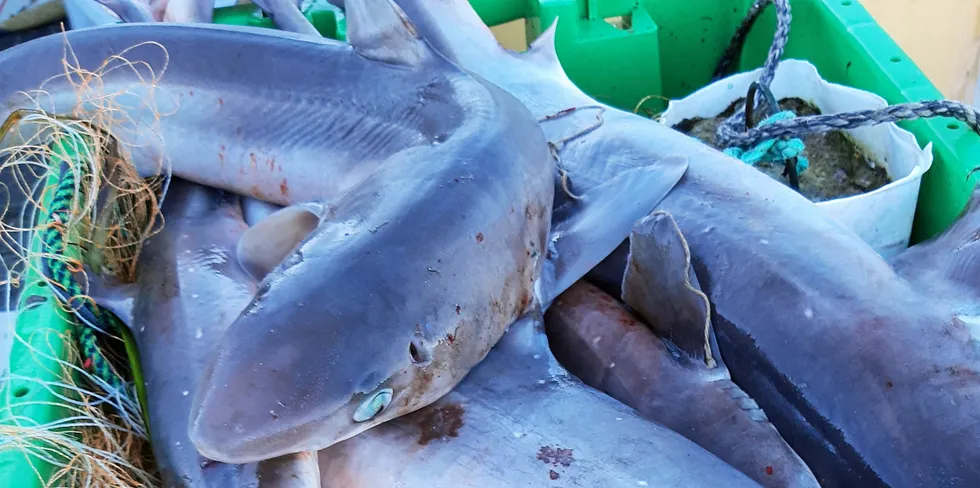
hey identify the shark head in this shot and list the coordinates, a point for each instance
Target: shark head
(263, 398)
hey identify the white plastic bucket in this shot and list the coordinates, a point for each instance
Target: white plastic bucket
(883, 217)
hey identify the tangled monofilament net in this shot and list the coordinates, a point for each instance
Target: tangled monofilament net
(101, 439)
(114, 210)
(112, 115)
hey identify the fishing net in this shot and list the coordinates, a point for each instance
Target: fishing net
(114, 210)
(67, 170)
(98, 440)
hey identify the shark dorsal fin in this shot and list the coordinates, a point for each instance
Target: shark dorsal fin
(660, 286)
(380, 30)
(544, 49)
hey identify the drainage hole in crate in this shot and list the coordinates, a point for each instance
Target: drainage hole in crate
(896, 59)
(21, 391)
(953, 126)
(34, 301)
(846, 3)
(621, 22)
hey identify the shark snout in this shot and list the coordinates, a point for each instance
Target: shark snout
(232, 429)
(243, 433)
(245, 413)
(253, 407)
(287, 378)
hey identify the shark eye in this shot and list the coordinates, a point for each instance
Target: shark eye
(371, 407)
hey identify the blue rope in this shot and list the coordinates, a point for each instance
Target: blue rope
(773, 149)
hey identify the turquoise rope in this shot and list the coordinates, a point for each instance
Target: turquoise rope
(773, 149)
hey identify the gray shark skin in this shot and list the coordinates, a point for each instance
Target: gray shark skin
(618, 170)
(135, 11)
(266, 145)
(403, 284)
(874, 369)
(869, 380)
(406, 148)
(519, 419)
(188, 291)
(603, 344)
(946, 266)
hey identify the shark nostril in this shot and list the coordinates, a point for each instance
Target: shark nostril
(418, 351)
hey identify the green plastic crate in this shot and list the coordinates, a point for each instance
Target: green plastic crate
(671, 48)
(42, 325)
(666, 48)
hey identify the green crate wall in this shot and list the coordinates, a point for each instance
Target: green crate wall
(671, 48)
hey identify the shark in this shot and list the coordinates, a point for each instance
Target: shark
(420, 204)
(520, 419)
(858, 361)
(188, 291)
(609, 348)
(855, 364)
(394, 291)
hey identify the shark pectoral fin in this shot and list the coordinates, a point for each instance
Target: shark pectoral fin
(953, 256)
(526, 335)
(660, 286)
(112, 295)
(266, 244)
(585, 230)
(380, 30)
(287, 16)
